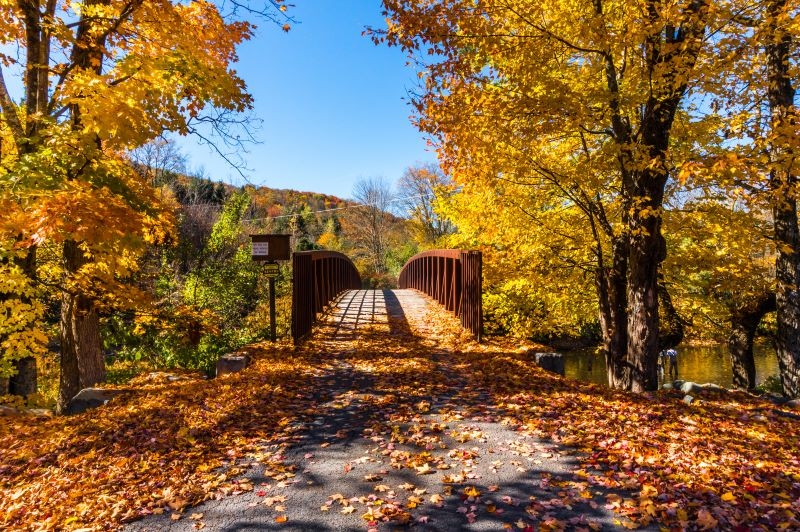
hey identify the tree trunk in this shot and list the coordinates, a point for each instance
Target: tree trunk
(23, 380)
(788, 296)
(82, 362)
(24, 383)
(744, 322)
(670, 332)
(670, 53)
(644, 260)
(612, 292)
(783, 183)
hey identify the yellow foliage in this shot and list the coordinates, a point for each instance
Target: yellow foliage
(20, 315)
(138, 70)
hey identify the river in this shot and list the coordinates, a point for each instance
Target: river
(699, 364)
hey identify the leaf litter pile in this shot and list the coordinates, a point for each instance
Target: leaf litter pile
(427, 398)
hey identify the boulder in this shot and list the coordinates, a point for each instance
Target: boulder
(90, 398)
(552, 362)
(232, 363)
(688, 399)
(712, 387)
(690, 387)
(9, 411)
(794, 404)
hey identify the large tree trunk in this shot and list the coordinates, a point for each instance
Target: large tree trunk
(648, 248)
(82, 362)
(670, 53)
(783, 183)
(788, 295)
(643, 322)
(744, 322)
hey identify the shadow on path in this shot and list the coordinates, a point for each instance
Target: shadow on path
(400, 437)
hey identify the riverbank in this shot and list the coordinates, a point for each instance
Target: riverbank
(697, 363)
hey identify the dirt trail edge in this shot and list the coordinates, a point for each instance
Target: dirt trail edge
(400, 437)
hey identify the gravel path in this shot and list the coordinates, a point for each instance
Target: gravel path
(375, 456)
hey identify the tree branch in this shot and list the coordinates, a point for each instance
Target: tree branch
(10, 111)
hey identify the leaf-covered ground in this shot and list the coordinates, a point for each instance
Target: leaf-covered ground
(413, 398)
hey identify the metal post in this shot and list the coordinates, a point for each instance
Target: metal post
(272, 308)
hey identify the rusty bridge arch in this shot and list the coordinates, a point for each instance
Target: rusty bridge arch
(318, 277)
(454, 278)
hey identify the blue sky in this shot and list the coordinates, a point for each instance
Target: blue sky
(332, 104)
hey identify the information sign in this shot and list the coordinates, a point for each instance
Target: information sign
(271, 269)
(270, 247)
(260, 249)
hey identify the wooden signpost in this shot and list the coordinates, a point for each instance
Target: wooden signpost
(270, 249)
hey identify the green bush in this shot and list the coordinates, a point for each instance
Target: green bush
(771, 384)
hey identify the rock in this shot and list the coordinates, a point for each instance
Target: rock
(90, 398)
(40, 412)
(552, 362)
(690, 387)
(9, 411)
(232, 363)
(667, 386)
(713, 387)
(688, 399)
(163, 377)
(794, 404)
(775, 398)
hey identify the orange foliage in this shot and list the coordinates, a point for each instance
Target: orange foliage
(728, 461)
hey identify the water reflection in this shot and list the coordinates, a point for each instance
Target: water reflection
(698, 364)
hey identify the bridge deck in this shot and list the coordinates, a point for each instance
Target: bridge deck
(389, 312)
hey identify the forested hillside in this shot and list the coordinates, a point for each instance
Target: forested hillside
(192, 292)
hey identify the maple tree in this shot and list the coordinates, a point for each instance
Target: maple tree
(576, 102)
(721, 270)
(101, 78)
(777, 32)
(754, 160)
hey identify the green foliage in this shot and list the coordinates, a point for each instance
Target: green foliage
(398, 255)
(201, 314)
(771, 384)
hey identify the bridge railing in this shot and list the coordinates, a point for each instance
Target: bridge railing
(318, 278)
(454, 278)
